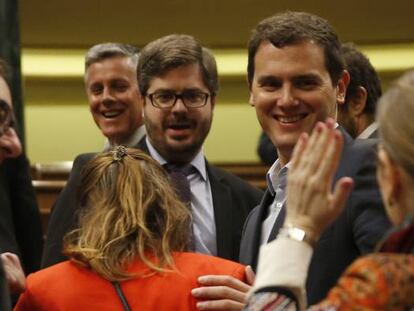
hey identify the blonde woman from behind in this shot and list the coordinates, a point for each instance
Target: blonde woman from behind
(129, 250)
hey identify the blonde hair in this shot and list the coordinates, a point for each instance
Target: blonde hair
(130, 211)
(395, 118)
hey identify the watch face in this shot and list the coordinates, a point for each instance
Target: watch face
(297, 234)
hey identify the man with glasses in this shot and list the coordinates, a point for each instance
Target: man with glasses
(20, 226)
(178, 82)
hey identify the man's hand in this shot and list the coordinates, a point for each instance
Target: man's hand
(223, 292)
(312, 205)
(10, 146)
(14, 272)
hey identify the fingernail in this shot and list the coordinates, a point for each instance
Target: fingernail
(195, 292)
(200, 305)
(202, 279)
(319, 127)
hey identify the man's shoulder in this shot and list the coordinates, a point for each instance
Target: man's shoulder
(84, 158)
(81, 160)
(232, 180)
(359, 155)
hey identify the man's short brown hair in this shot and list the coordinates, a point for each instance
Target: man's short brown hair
(174, 51)
(290, 28)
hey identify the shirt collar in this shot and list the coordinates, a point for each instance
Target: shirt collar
(131, 141)
(276, 175)
(198, 162)
(368, 131)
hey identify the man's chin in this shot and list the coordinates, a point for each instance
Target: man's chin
(182, 151)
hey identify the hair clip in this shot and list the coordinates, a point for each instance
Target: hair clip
(119, 152)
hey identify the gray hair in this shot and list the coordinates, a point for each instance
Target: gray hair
(395, 117)
(106, 50)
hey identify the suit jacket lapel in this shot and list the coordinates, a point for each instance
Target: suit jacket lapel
(223, 210)
(278, 224)
(251, 236)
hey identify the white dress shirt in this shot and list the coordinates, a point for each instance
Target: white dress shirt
(276, 183)
(132, 140)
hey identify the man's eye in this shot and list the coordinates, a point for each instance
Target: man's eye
(164, 97)
(306, 84)
(96, 89)
(270, 85)
(120, 87)
(193, 96)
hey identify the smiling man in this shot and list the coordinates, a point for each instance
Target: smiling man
(178, 82)
(111, 86)
(296, 78)
(116, 107)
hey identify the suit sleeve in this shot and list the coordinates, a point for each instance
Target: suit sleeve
(63, 215)
(26, 216)
(367, 214)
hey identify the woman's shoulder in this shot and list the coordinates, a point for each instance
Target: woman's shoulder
(201, 264)
(61, 275)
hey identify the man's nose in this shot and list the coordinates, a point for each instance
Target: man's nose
(287, 96)
(179, 106)
(107, 94)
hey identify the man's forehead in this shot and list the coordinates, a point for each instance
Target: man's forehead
(111, 65)
(187, 76)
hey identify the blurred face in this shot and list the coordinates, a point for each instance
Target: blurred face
(387, 177)
(291, 91)
(10, 146)
(115, 104)
(178, 133)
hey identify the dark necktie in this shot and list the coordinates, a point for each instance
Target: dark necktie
(178, 176)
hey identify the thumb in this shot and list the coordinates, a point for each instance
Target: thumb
(341, 193)
(250, 275)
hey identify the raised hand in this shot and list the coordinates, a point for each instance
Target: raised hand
(311, 203)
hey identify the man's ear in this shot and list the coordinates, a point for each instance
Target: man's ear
(213, 101)
(341, 87)
(358, 102)
(251, 99)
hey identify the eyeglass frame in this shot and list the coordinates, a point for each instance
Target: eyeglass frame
(177, 97)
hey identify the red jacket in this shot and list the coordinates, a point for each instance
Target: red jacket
(67, 286)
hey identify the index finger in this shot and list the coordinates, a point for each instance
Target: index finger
(223, 280)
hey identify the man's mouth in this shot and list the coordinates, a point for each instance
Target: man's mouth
(290, 119)
(180, 126)
(111, 114)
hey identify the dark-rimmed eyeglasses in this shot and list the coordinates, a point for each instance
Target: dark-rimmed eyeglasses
(167, 99)
(6, 117)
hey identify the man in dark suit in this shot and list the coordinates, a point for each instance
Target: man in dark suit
(178, 82)
(115, 105)
(357, 113)
(20, 226)
(296, 78)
